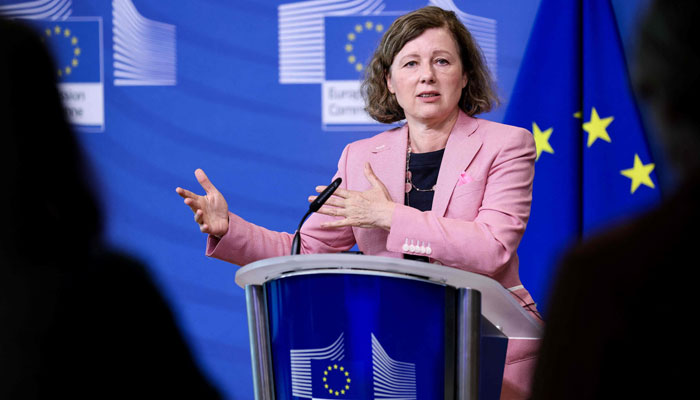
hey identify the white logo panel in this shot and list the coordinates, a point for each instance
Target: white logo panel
(144, 50)
(393, 380)
(53, 10)
(301, 365)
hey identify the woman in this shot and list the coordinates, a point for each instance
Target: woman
(445, 187)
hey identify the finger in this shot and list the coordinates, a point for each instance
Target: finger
(184, 193)
(371, 177)
(335, 202)
(336, 224)
(199, 217)
(338, 192)
(193, 204)
(204, 228)
(204, 181)
(331, 211)
(332, 201)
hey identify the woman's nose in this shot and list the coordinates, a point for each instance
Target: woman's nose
(427, 74)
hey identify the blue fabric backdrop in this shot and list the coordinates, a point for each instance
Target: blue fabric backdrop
(237, 88)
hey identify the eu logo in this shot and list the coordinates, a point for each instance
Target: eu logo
(350, 42)
(76, 48)
(334, 379)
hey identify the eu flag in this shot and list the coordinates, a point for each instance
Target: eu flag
(593, 164)
(350, 42)
(76, 46)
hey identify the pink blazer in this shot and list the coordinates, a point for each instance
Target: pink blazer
(480, 209)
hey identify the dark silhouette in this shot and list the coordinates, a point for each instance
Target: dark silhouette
(76, 320)
(621, 311)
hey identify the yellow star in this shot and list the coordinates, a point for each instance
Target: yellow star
(596, 127)
(542, 140)
(639, 174)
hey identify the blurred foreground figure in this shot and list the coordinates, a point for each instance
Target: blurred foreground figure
(618, 325)
(76, 321)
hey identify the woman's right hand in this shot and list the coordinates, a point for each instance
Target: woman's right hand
(210, 210)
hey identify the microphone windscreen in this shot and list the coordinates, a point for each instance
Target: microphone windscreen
(323, 197)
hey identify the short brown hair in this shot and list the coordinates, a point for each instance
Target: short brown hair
(478, 95)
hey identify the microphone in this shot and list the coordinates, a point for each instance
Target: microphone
(313, 207)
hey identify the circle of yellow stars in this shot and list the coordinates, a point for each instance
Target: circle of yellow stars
(352, 36)
(597, 128)
(65, 34)
(343, 373)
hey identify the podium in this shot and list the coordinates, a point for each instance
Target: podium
(349, 326)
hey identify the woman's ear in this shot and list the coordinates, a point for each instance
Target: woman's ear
(388, 82)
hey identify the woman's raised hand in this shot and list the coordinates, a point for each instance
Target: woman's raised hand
(210, 210)
(372, 208)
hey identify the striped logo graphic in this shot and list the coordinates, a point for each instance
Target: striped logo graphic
(302, 35)
(54, 10)
(392, 379)
(301, 365)
(144, 50)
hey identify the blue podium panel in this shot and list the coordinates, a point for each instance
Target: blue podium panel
(492, 359)
(361, 336)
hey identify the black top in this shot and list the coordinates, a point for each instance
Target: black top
(424, 168)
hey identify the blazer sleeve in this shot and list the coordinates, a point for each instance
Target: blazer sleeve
(245, 242)
(487, 243)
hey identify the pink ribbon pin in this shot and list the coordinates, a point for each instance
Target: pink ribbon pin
(464, 178)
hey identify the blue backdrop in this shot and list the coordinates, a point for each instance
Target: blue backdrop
(260, 94)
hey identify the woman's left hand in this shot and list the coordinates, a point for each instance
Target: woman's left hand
(372, 208)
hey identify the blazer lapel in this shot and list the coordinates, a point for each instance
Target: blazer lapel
(462, 146)
(388, 161)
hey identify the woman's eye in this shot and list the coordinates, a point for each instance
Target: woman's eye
(442, 61)
(411, 64)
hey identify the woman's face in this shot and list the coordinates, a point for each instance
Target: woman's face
(427, 77)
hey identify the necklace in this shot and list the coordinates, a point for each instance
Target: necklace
(409, 182)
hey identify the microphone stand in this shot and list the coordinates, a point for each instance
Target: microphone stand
(313, 207)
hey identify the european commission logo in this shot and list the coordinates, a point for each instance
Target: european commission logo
(144, 52)
(325, 373)
(77, 48)
(330, 43)
(349, 45)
